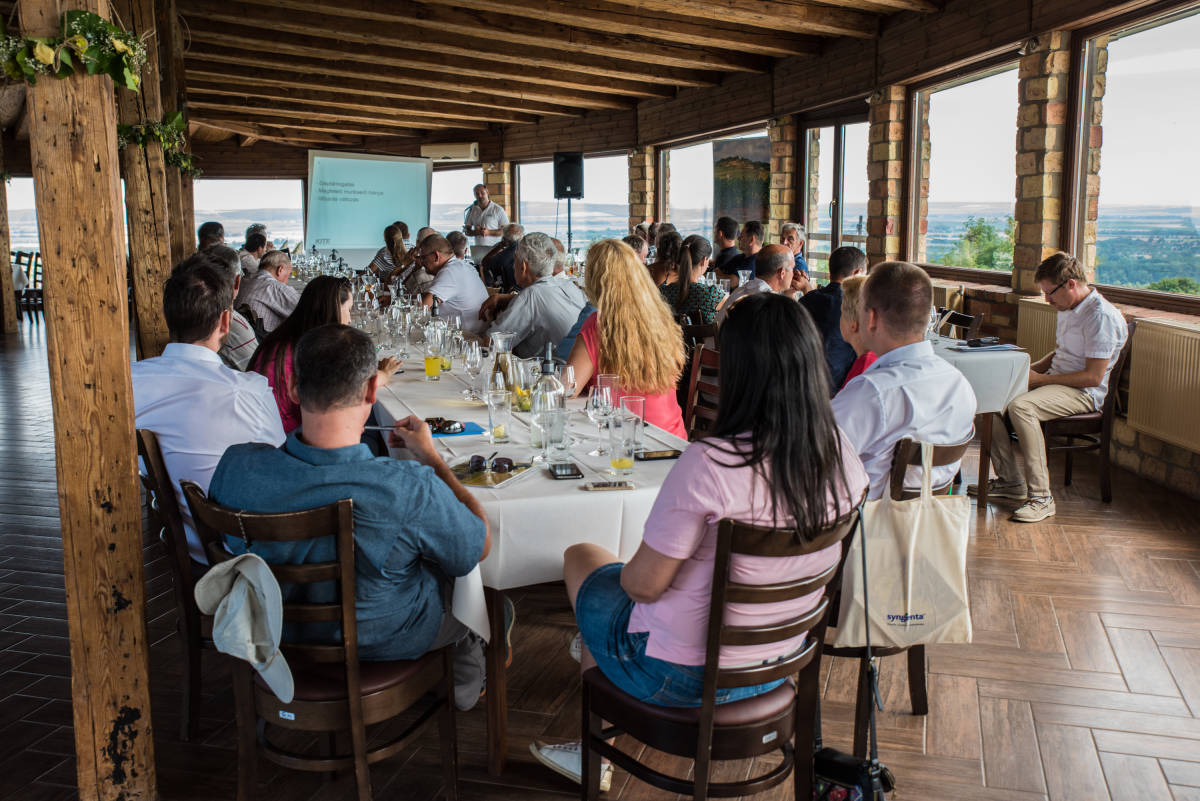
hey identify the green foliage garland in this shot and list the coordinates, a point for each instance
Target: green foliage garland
(88, 42)
(169, 133)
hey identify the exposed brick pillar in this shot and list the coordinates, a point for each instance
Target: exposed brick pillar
(1094, 121)
(497, 175)
(1041, 146)
(885, 170)
(782, 204)
(922, 112)
(641, 185)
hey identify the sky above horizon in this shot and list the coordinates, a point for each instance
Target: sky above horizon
(1151, 113)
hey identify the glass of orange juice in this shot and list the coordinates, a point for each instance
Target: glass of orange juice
(622, 438)
(433, 355)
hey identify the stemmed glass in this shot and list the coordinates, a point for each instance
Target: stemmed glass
(473, 364)
(567, 376)
(599, 411)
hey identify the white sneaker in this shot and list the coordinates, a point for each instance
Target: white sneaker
(566, 759)
(576, 649)
(1001, 489)
(1034, 509)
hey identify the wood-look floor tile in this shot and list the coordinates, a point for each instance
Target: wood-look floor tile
(1179, 772)
(953, 726)
(1145, 744)
(1099, 699)
(1071, 764)
(1134, 778)
(1010, 750)
(1185, 667)
(1086, 641)
(1141, 663)
(1037, 627)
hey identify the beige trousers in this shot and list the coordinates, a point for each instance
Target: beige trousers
(1026, 413)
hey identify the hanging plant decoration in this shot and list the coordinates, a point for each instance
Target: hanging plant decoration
(170, 133)
(88, 42)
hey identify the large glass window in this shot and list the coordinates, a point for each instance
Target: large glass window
(22, 215)
(1140, 178)
(730, 177)
(602, 213)
(835, 191)
(237, 204)
(452, 193)
(966, 148)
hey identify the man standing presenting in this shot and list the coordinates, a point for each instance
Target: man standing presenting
(267, 292)
(485, 220)
(1071, 379)
(456, 284)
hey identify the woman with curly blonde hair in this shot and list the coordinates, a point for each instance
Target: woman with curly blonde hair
(632, 334)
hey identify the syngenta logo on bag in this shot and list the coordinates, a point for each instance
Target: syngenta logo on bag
(905, 620)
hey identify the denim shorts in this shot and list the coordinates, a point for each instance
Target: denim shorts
(602, 611)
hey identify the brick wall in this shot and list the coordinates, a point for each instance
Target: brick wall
(885, 173)
(497, 175)
(784, 163)
(642, 185)
(1095, 133)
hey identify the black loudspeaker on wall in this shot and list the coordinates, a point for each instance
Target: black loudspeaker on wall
(568, 175)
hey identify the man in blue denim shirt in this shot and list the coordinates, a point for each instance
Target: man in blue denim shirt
(415, 526)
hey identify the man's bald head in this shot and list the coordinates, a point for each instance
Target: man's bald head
(774, 264)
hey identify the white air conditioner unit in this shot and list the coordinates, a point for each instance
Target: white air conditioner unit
(451, 151)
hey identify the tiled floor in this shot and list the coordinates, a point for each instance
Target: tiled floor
(1083, 681)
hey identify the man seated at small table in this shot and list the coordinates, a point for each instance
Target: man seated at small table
(242, 342)
(252, 251)
(909, 391)
(774, 272)
(196, 405)
(416, 527)
(498, 263)
(791, 236)
(725, 235)
(750, 242)
(1071, 379)
(824, 305)
(456, 284)
(545, 308)
(267, 292)
(640, 246)
(209, 234)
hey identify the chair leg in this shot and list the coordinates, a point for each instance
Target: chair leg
(1067, 470)
(1105, 474)
(589, 758)
(862, 709)
(189, 718)
(446, 727)
(247, 725)
(918, 693)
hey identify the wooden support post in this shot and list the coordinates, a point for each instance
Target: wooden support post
(181, 226)
(73, 141)
(145, 174)
(8, 300)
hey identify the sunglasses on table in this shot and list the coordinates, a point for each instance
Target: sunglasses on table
(501, 464)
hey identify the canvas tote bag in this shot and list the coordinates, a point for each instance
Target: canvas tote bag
(917, 550)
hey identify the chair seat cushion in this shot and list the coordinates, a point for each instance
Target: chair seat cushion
(736, 713)
(1084, 423)
(327, 681)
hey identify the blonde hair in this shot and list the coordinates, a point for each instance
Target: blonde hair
(851, 293)
(639, 338)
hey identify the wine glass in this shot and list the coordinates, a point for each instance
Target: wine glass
(599, 411)
(473, 364)
(567, 376)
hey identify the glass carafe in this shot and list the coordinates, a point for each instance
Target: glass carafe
(504, 361)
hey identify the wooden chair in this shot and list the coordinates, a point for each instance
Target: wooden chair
(194, 628)
(1094, 428)
(907, 452)
(781, 720)
(704, 388)
(967, 325)
(693, 336)
(260, 331)
(334, 692)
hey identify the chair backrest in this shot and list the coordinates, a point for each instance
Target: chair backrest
(161, 489)
(704, 388)
(701, 334)
(1109, 407)
(967, 324)
(908, 452)
(214, 522)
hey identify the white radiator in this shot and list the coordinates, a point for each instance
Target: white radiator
(1164, 382)
(1036, 327)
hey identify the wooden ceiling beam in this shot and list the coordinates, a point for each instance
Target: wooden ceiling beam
(501, 33)
(452, 52)
(280, 136)
(456, 72)
(886, 6)
(430, 114)
(209, 62)
(299, 130)
(303, 114)
(794, 16)
(613, 18)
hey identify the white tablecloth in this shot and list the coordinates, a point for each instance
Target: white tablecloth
(997, 376)
(533, 518)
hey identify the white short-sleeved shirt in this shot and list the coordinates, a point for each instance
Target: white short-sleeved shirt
(1094, 329)
(907, 392)
(461, 291)
(491, 217)
(198, 407)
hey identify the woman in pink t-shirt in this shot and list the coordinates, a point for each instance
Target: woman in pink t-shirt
(775, 458)
(633, 335)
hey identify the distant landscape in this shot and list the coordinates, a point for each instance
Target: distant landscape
(1138, 246)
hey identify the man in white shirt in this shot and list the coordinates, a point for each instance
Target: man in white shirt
(1071, 379)
(267, 291)
(545, 308)
(773, 272)
(456, 284)
(196, 405)
(909, 391)
(241, 343)
(253, 250)
(485, 220)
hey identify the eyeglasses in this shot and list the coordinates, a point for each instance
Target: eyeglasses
(1050, 294)
(501, 464)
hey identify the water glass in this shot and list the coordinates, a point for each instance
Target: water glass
(567, 376)
(599, 410)
(556, 444)
(635, 405)
(473, 365)
(622, 428)
(499, 416)
(724, 284)
(743, 277)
